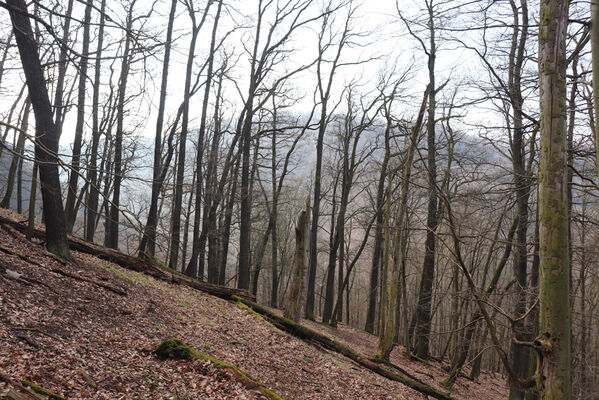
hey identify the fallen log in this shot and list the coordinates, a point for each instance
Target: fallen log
(20, 393)
(311, 335)
(147, 266)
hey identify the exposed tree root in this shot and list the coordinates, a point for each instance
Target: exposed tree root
(177, 349)
(311, 335)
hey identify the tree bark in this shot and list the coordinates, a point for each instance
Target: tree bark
(554, 381)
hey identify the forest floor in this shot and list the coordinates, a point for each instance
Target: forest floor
(87, 330)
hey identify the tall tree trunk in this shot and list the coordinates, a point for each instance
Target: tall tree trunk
(520, 354)
(148, 239)
(423, 310)
(178, 197)
(226, 228)
(378, 240)
(387, 325)
(324, 90)
(46, 131)
(274, 240)
(200, 156)
(113, 231)
(70, 213)
(94, 183)
(595, 65)
(554, 370)
(209, 226)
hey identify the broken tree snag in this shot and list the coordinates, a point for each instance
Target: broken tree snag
(149, 267)
(292, 308)
(177, 349)
(311, 335)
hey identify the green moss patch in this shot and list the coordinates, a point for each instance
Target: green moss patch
(44, 392)
(175, 348)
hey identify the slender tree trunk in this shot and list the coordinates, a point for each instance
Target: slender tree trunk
(59, 111)
(226, 228)
(423, 310)
(148, 240)
(595, 65)
(520, 354)
(70, 214)
(5, 55)
(209, 223)
(17, 156)
(32, 199)
(378, 240)
(94, 191)
(387, 326)
(178, 198)
(274, 240)
(113, 231)
(200, 156)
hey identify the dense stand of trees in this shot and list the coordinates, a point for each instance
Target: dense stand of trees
(431, 179)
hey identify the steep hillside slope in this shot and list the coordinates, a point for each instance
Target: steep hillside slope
(87, 330)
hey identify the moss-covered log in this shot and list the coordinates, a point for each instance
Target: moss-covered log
(44, 392)
(148, 266)
(311, 335)
(177, 349)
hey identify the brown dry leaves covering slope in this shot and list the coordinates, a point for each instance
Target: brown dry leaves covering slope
(81, 340)
(488, 386)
